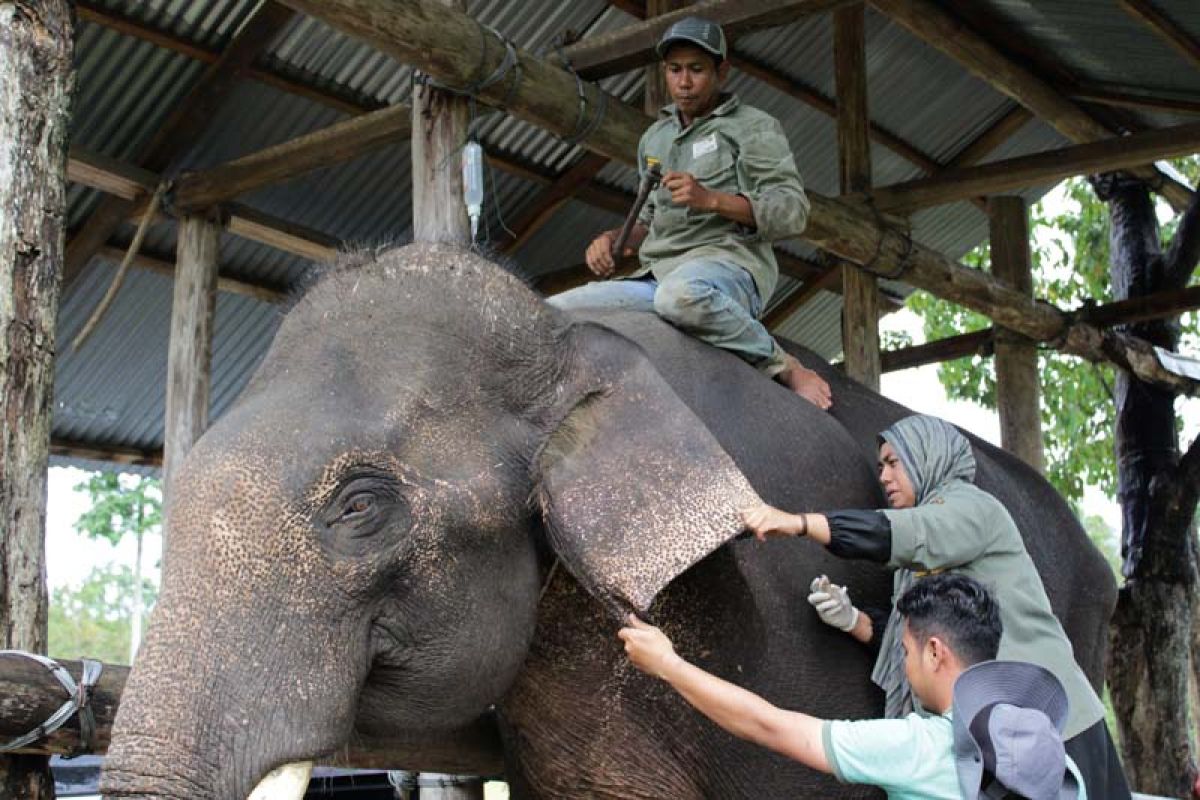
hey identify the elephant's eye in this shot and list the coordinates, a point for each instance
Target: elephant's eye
(358, 504)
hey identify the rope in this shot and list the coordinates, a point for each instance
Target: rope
(904, 263)
(511, 61)
(583, 127)
(78, 700)
(119, 278)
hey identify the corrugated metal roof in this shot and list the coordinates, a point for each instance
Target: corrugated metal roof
(112, 392)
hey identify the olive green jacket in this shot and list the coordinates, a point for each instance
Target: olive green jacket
(958, 527)
(735, 149)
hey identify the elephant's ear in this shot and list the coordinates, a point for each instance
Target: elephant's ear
(633, 487)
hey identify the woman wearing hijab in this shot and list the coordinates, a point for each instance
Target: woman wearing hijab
(939, 521)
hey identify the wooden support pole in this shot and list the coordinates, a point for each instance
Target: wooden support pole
(1018, 382)
(1040, 168)
(938, 28)
(189, 357)
(860, 290)
(439, 131)
(656, 85)
(36, 44)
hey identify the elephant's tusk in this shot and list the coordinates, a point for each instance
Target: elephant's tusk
(284, 783)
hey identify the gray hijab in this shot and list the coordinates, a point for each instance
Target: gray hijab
(934, 454)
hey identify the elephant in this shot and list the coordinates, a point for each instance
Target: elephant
(438, 496)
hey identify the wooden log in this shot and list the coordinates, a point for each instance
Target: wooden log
(36, 44)
(633, 46)
(65, 448)
(1128, 98)
(1165, 28)
(1004, 129)
(29, 694)
(189, 357)
(552, 198)
(259, 291)
(1018, 381)
(460, 52)
(332, 145)
(860, 290)
(829, 282)
(1040, 168)
(952, 347)
(192, 115)
(940, 30)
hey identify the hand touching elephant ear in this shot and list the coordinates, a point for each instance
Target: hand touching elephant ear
(633, 487)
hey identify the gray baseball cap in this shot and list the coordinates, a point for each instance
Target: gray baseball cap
(701, 32)
(1008, 718)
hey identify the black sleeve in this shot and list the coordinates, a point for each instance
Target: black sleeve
(860, 534)
(879, 620)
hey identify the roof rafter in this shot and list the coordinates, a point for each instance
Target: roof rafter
(1164, 27)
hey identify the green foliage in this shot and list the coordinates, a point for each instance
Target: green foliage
(93, 619)
(1105, 539)
(121, 505)
(1070, 259)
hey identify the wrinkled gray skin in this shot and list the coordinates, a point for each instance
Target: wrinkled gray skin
(362, 544)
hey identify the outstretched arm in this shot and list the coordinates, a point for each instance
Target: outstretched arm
(741, 712)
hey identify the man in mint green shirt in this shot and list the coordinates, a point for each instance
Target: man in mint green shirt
(730, 188)
(951, 628)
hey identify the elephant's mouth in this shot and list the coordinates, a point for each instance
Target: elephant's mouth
(288, 782)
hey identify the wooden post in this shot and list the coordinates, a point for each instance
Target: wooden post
(860, 292)
(439, 131)
(36, 44)
(1018, 392)
(190, 355)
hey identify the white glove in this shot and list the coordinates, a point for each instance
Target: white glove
(832, 603)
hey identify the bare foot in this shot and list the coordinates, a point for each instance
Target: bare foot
(806, 383)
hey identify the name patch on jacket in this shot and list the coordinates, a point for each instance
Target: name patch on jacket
(705, 146)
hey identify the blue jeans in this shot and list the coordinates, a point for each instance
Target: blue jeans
(714, 301)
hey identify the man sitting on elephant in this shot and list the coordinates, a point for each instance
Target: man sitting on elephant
(951, 627)
(940, 521)
(704, 236)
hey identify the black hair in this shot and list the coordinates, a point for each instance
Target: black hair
(958, 610)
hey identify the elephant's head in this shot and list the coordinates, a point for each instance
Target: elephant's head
(361, 541)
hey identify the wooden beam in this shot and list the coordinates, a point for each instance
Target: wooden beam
(332, 145)
(633, 46)
(1150, 101)
(860, 290)
(189, 355)
(948, 349)
(940, 30)
(128, 456)
(1164, 27)
(829, 281)
(189, 118)
(31, 694)
(419, 32)
(1018, 386)
(1050, 166)
(982, 146)
(554, 197)
(262, 292)
(342, 101)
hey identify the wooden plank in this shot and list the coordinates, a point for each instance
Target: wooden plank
(554, 197)
(267, 294)
(633, 46)
(190, 117)
(1018, 389)
(189, 354)
(113, 454)
(1164, 27)
(286, 236)
(948, 349)
(860, 290)
(332, 145)
(1040, 168)
(946, 33)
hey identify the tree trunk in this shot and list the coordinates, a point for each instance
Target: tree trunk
(35, 90)
(1152, 634)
